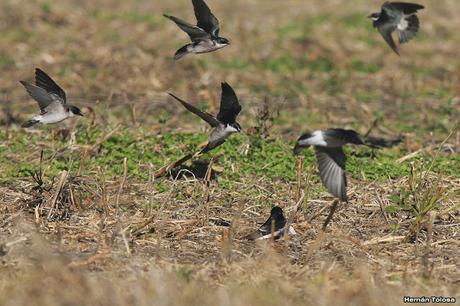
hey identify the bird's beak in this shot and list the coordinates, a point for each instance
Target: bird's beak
(370, 16)
(297, 149)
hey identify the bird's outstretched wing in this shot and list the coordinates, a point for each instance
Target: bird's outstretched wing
(38, 94)
(229, 105)
(194, 32)
(203, 115)
(386, 30)
(405, 7)
(46, 82)
(347, 136)
(331, 167)
(206, 20)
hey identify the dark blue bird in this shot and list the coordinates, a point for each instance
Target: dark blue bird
(205, 35)
(397, 17)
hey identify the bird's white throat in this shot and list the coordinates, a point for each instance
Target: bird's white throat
(316, 139)
(231, 129)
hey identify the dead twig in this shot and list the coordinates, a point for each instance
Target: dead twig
(123, 181)
(386, 239)
(57, 192)
(83, 157)
(427, 268)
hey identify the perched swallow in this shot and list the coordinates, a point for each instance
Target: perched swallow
(273, 227)
(51, 100)
(330, 156)
(225, 123)
(400, 17)
(205, 35)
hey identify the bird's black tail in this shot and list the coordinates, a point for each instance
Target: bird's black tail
(181, 52)
(29, 123)
(412, 29)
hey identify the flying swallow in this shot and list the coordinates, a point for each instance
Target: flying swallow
(224, 123)
(399, 17)
(204, 36)
(330, 156)
(51, 99)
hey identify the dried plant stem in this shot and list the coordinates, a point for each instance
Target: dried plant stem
(293, 216)
(122, 184)
(318, 213)
(101, 174)
(429, 237)
(150, 189)
(208, 177)
(57, 192)
(299, 178)
(83, 157)
(125, 241)
(371, 128)
(207, 186)
(457, 126)
(227, 245)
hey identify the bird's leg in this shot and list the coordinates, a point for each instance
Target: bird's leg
(331, 213)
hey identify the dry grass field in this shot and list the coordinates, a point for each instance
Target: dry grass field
(96, 228)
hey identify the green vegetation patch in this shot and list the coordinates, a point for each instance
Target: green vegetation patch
(272, 159)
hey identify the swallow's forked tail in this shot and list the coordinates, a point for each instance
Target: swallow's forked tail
(413, 25)
(181, 52)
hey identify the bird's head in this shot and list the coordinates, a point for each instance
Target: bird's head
(302, 143)
(222, 41)
(75, 111)
(374, 16)
(277, 213)
(236, 126)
